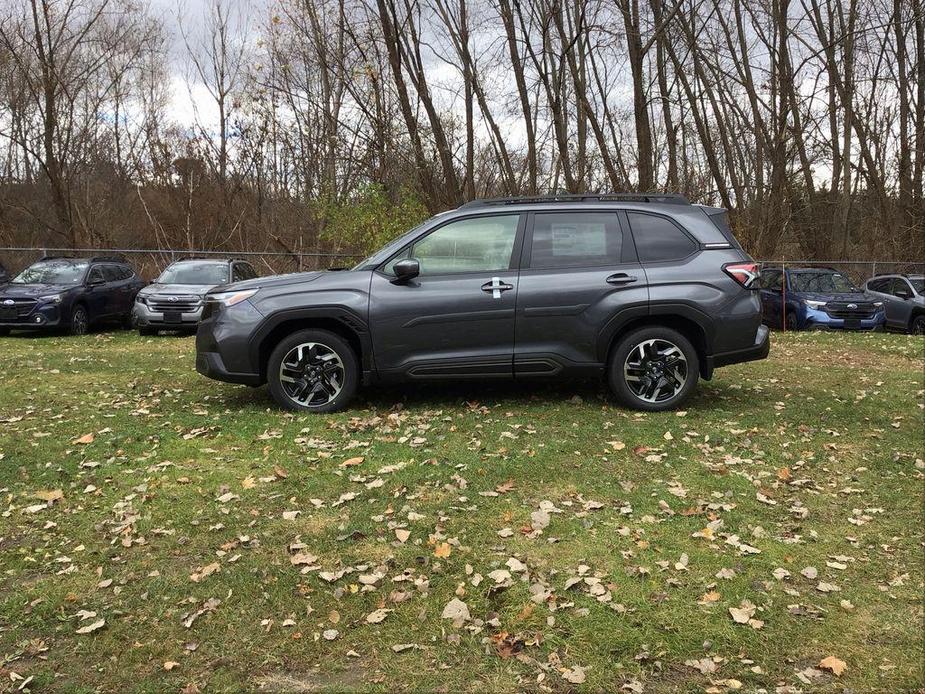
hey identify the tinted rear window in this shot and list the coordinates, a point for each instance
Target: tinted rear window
(658, 238)
(578, 239)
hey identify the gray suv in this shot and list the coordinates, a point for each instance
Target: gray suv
(648, 290)
(174, 301)
(903, 299)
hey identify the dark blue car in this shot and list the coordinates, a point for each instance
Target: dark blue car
(816, 299)
(70, 294)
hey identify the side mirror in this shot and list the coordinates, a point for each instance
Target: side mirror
(904, 294)
(94, 282)
(405, 270)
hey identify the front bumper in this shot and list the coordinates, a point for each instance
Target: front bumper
(145, 317)
(817, 319)
(45, 316)
(223, 341)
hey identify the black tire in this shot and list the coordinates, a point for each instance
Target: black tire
(917, 326)
(147, 332)
(80, 321)
(4, 332)
(316, 379)
(664, 399)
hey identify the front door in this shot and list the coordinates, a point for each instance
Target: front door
(456, 319)
(97, 294)
(579, 271)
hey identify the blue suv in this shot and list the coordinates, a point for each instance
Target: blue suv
(816, 299)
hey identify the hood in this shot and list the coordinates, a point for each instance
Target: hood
(273, 281)
(33, 290)
(176, 289)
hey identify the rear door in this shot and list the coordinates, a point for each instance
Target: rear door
(579, 270)
(455, 319)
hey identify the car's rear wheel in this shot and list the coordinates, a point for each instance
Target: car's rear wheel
(313, 371)
(917, 326)
(653, 369)
(4, 332)
(147, 332)
(80, 321)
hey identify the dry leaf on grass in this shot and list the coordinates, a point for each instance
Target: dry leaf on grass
(833, 665)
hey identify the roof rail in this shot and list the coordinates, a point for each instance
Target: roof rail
(118, 258)
(667, 198)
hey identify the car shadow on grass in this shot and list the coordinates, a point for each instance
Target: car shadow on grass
(502, 393)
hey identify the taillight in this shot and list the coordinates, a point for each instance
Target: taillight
(745, 274)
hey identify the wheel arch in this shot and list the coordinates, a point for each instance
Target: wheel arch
(341, 322)
(916, 313)
(688, 326)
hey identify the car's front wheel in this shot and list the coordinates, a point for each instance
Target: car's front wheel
(653, 369)
(313, 371)
(80, 321)
(917, 327)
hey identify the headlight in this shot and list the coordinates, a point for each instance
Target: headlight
(51, 299)
(878, 303)
(232, 298)
(813, 304)
(141, 299)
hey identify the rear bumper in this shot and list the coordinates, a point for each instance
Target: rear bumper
(759, 350)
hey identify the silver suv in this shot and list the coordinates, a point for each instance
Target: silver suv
(174, 300)
(903, 299)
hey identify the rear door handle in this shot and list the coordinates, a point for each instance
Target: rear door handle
(496, 286)
(621, 278)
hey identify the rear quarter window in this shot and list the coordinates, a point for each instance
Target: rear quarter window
(658, 239)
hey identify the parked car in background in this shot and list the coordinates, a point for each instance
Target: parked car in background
(816, 299)
(4, 275)
(647, 290)
(903, 298)
(174, 300)
(69, 293)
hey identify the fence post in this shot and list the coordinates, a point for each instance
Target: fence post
(783, 297)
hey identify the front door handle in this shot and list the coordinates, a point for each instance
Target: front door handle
(496, 286)
(621, 278)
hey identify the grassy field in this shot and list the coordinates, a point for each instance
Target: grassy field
(161, 531)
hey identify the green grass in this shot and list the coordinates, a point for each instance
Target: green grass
(783, 453)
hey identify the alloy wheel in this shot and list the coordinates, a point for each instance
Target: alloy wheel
(312, 374)
(79, 322)
(655, 370)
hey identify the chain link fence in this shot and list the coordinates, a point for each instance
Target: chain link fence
(150, 262)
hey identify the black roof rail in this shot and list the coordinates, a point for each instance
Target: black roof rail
(92, 259)
(666, 198)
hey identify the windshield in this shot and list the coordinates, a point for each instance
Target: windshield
(918, 284)
(821, 282)
(53, 272)
(195, 273)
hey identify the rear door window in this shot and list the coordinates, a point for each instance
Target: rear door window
(658, 239)
(578, 239)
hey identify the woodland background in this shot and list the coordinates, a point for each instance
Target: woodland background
(333, 125)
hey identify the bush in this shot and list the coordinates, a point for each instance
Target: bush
(371, 218)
